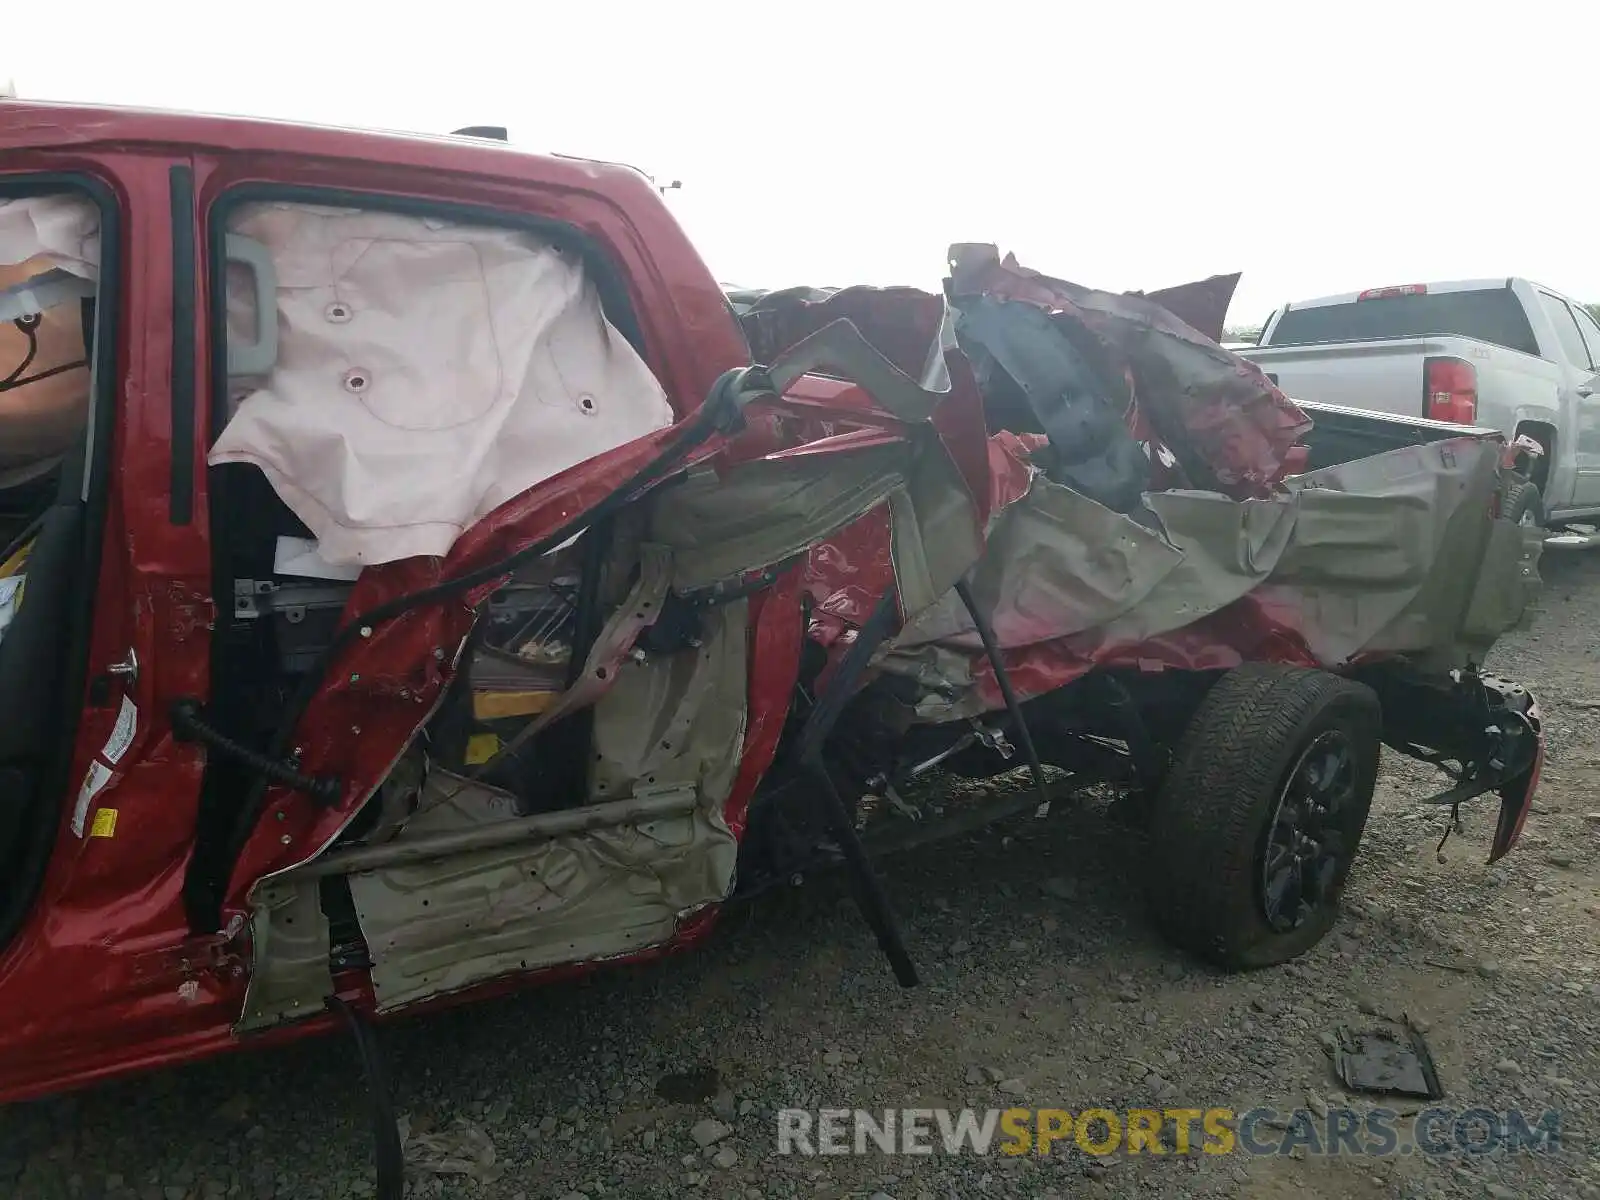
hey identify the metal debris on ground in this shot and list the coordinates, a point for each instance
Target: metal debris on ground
(461, 1149)
(1388, 1061)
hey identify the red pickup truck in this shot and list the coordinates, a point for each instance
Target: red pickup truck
(450, 585)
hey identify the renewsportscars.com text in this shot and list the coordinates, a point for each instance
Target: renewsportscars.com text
(1378, 1132)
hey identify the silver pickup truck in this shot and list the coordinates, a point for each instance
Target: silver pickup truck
(1505, 354)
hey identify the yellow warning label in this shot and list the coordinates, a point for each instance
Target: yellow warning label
(105, 823)
(496, 706)
(481, 747)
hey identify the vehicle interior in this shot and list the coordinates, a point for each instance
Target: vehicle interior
(51, 508)
(497, 758)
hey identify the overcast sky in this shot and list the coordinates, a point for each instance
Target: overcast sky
(1317, 148)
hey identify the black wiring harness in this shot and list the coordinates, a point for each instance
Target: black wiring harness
(28, 326)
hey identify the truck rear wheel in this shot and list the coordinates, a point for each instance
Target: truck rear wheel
(1256, 826)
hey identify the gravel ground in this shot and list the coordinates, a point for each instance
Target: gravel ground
(1043, 985)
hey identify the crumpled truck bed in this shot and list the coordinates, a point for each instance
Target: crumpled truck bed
(1146, 504)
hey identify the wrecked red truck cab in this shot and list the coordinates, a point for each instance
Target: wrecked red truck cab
(450, 585)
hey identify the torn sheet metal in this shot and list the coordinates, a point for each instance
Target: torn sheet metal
(762, 513)
(1227, 425)
(1361, 558)
(289, 944)
(1381, 547)
(839, 349)
(1201, 305)
(435, 927)
(900, 323)
(475, 361)
(759, 514)
(1505, 587)
(1387, 1062)
(1033, 376)
(439, 926)
(1056, 563)
(1140, 507)
(468, 891)
(912, 331)
(602, 668)
(845, 576)
(677, 720)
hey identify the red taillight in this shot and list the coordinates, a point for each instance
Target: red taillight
(1450, 390)
(1386, 293)
(1514, 809)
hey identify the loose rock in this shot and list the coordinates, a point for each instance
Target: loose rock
(709, 1132)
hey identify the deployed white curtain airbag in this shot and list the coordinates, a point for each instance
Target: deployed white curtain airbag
(425, 373)
(61, 231)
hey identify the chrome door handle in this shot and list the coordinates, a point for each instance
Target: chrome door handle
(127, 669)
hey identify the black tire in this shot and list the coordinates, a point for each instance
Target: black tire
(1261, 726)
(1521, 502)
